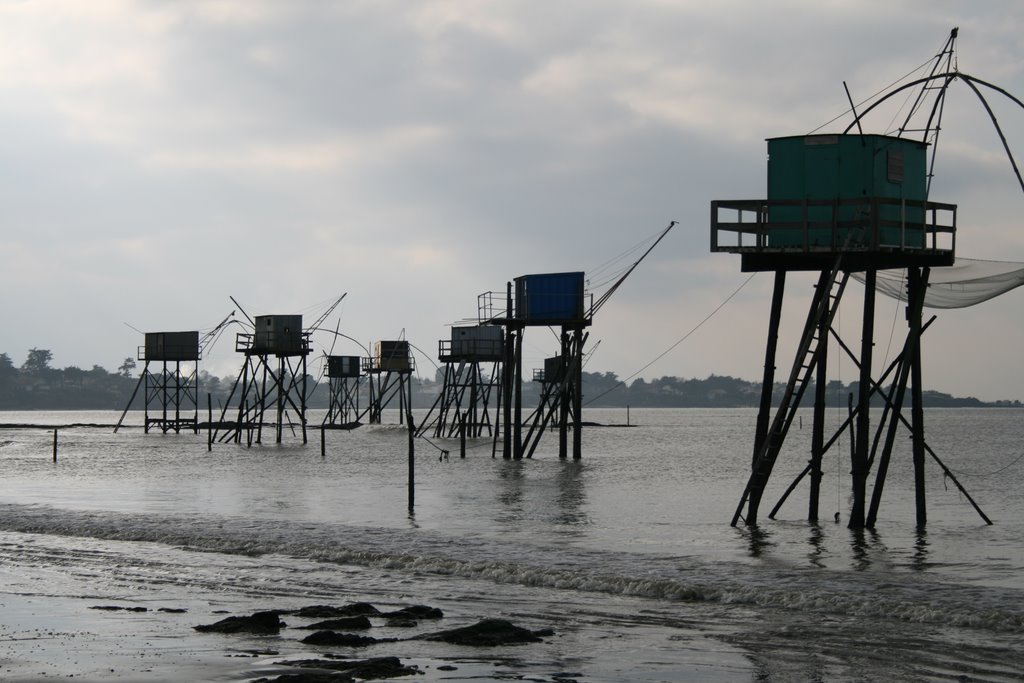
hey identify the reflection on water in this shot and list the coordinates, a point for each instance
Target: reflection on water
(868, 550)
(919, 560)
(666, 487)
(861, 557)
(571, 498)
(817, 542)
(511, 475)
(758, 539)
(526, 492)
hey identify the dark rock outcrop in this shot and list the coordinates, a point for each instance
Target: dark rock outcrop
(374, 668)
(340, 624)
(118, 608)
(342, 639)
(309, 677)
(353, 609)
(488, 633)
(268, 622)
(415, 612)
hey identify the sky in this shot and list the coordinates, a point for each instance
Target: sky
(158, 158)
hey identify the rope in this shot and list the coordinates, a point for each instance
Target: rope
(988, 474)
(895, 317)
(425, 355)
(871, 97)
(686, 336)
(443, 451)
(599, 271)
(482, 443)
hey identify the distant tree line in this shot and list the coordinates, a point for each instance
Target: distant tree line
(606, 390)
(35, 385)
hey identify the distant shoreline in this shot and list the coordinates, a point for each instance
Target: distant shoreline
(202, 427)
(40, 387)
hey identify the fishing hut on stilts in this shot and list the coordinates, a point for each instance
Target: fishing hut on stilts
(552, 407)
(344, 377)
(542, 300)
(273, 379)
(841, 206)
(170, 389)
(389, 375)
(838, 204)
(546, 300)
(472, 369)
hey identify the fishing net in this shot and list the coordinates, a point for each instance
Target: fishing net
(966, 283)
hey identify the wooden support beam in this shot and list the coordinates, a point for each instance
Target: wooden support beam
(517, 392)
(768, 379)
(918, 286)
(818, 420)
(859, 469)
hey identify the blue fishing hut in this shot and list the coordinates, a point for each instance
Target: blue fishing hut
(542, 300)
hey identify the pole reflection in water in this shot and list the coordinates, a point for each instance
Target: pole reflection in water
(758, 539)
(817, 542)
(920, 557)
(571, 497)
(510, 491)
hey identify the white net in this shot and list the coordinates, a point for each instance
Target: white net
(966, 283)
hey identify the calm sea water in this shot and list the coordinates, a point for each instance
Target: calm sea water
(627, 554)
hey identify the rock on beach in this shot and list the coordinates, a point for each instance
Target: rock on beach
(268, 622)
(340, 624)
(488, 633)
(343, 639)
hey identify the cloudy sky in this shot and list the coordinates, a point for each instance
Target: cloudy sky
(159, 157)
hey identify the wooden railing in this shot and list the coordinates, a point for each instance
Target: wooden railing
(816, 226)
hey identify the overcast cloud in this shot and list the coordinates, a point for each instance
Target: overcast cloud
(158, 157)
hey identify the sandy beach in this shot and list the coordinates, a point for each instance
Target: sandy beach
(48, 637)
(45, 637)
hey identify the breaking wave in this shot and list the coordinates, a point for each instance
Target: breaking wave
(875, 595)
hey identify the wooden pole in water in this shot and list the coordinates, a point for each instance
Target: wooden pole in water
(818, 419)
(565, 402)
(305, 386)
(517, 409)
(860, 460)
(627, 415)
(462, 438)
(918, 283)
(209, 422)
(412, 472)
(55, 445)
(853, 430)
(578, 340)
(768, 380)
(323, 443)
(508, 369)
(751, 497)
(412, 453)
(248, 430)
(280, 400)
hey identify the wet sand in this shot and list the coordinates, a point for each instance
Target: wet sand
(47, 637)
